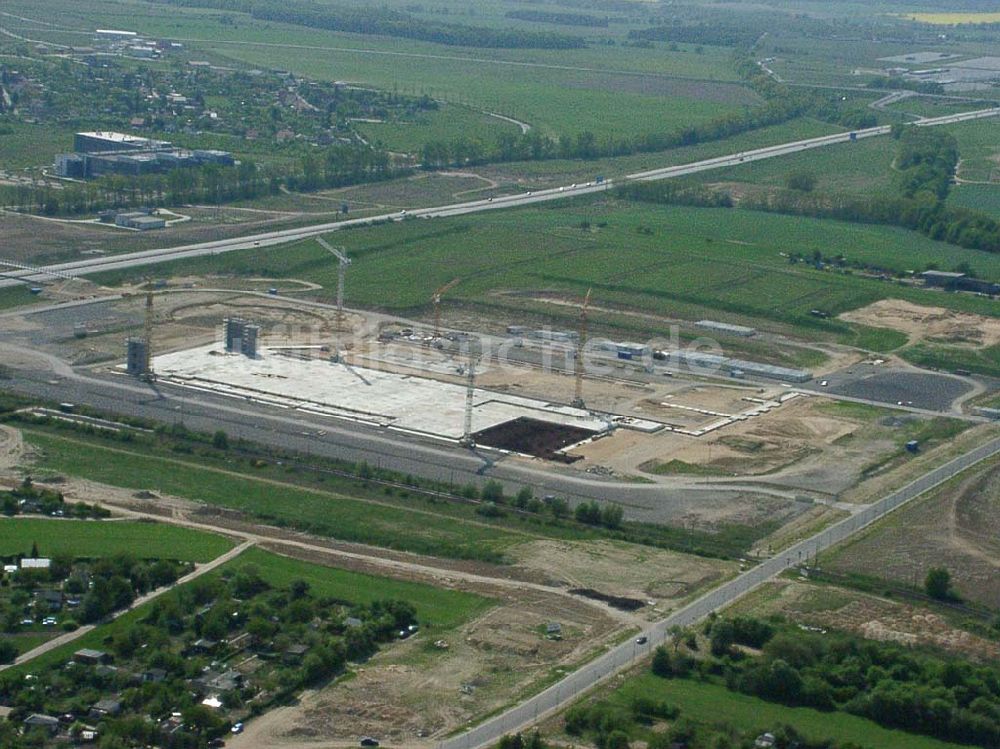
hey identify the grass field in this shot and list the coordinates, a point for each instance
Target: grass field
(444, 609)
(558, 91)
(979, 150)
(441, 609)
(447, 123)
(87, 538)
(713, 704)
(325, 513)
(673, 261)
(863, 167)
(984, 198)
(23, 145)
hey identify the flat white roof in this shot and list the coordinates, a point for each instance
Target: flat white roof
(397, 401)
(116, 137)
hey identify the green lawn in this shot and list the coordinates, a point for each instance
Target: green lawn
(716, 705)
(96, 538)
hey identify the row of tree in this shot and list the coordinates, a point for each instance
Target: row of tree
(925, 161)
(894, 686)
(336, 166)
(385, 21)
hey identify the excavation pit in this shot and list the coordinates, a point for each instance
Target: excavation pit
(542, 439)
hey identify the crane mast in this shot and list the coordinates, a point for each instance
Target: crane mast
(343, 261)
(436, 300)
(470, 389)
(578, 362)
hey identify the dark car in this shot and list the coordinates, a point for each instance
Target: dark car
(369, 741)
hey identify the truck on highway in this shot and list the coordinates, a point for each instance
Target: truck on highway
(67, 408)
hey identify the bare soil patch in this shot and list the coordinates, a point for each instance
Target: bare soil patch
(869, 616)
(958, 527)
(934, 324)
(625, 570)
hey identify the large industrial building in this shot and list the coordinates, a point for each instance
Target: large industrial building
(99, 153)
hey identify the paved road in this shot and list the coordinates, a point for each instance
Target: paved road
(167, 254)
(81, 631)
(622, 656)
(404, 453)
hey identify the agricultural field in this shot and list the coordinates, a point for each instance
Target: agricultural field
(447, 123)
(953, 527)
(979, 150)
(556, 91)
(954, 19)
(864, 167)
(675, 262)
(985, 198)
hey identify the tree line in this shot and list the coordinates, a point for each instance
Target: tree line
(781, 105)
(894, 686)
(925, 161)
(211, 184)
(564, 19)
(387, 22)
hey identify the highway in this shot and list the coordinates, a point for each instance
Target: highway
(618, 658)
(122, 261)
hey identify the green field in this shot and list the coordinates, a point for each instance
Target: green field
(863, 167)
(979, 149)
(96, 538)
(440, 609)
(448, 123)
(667, 260)
(984, 198)
(321, 512)
(21, 144)
(715, 705)
(557, 91)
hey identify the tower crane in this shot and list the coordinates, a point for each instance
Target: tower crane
(436, 299)
(147, 335)
(578, 363)
(343, 262)
(470, 389)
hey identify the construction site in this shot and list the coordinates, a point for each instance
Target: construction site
(546, 397)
